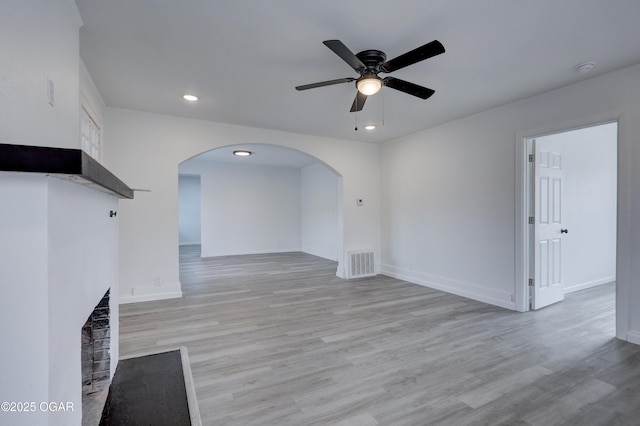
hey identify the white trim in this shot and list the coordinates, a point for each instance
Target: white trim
(459, 288)
(151, 293)
(633, 336)
(243, 253)
(623, 237)
(90, 97)
(189, 244)
(85, 110)
(90, 110)
(521, 252)
(589, 284)
(192, 400)
(150, 297)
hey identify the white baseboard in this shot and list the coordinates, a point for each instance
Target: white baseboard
(459, 288)
(151, 293)
(589, 284)
(633, 336)
(317, 251)
(242, 253)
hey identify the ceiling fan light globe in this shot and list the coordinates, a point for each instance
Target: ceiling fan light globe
(369, 85)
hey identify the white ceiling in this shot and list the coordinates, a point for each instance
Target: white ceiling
(244, 58)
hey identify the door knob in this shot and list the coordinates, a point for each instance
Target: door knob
(564, 231)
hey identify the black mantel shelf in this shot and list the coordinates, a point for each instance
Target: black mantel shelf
(71, 164)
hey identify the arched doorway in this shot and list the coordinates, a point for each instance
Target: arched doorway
(277, 199)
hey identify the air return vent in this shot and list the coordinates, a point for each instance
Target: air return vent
(361, 264)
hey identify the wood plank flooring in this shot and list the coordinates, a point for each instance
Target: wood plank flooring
(279, 340)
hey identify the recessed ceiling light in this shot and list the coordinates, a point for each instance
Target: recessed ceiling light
(242, 153)
(190, 98)
(370, 127)
(584, 67)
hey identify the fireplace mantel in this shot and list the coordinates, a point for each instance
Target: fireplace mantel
(70, 164)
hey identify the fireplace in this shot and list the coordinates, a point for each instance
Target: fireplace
(96, 360)
(58, 259)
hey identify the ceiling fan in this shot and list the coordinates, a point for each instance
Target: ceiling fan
(369, 63)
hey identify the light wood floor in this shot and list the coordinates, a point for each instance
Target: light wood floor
(279, 340)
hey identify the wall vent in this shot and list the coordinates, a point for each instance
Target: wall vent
(361, 264)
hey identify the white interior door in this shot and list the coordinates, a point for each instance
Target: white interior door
(548, 232)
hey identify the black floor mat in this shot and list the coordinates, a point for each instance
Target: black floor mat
(148, 390)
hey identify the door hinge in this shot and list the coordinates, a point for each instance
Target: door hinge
(531, 284)
(532, 158)
(532, 220)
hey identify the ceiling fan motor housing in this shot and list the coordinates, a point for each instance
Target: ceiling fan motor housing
(373, 60)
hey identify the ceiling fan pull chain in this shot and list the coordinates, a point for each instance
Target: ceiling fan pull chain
(356, 114)
(383, 110)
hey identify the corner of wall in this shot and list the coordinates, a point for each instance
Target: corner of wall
(633, 336)
(459, 288)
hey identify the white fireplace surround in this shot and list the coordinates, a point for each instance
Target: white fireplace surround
(58, 257)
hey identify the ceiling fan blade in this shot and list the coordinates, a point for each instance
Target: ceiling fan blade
(343, 51)
(358, 102)
(416, 55)
(325, 83)
(406, 87)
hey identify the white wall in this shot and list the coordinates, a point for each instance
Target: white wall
(82, 266)
(448, 215)
(39, 40)
(448, 209)
(248, 209)
(24, 305)
(57, 243)
(189, 209)
(260, 209)
(145, 150)
(58, 256)
(589, 162)
(319, 221)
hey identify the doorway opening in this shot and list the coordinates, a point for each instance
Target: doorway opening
(568, 213)
(275, 200)
(189, 209)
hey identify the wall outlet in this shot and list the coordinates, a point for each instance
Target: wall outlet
(157, 281)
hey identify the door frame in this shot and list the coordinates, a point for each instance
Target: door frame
(523, 234)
